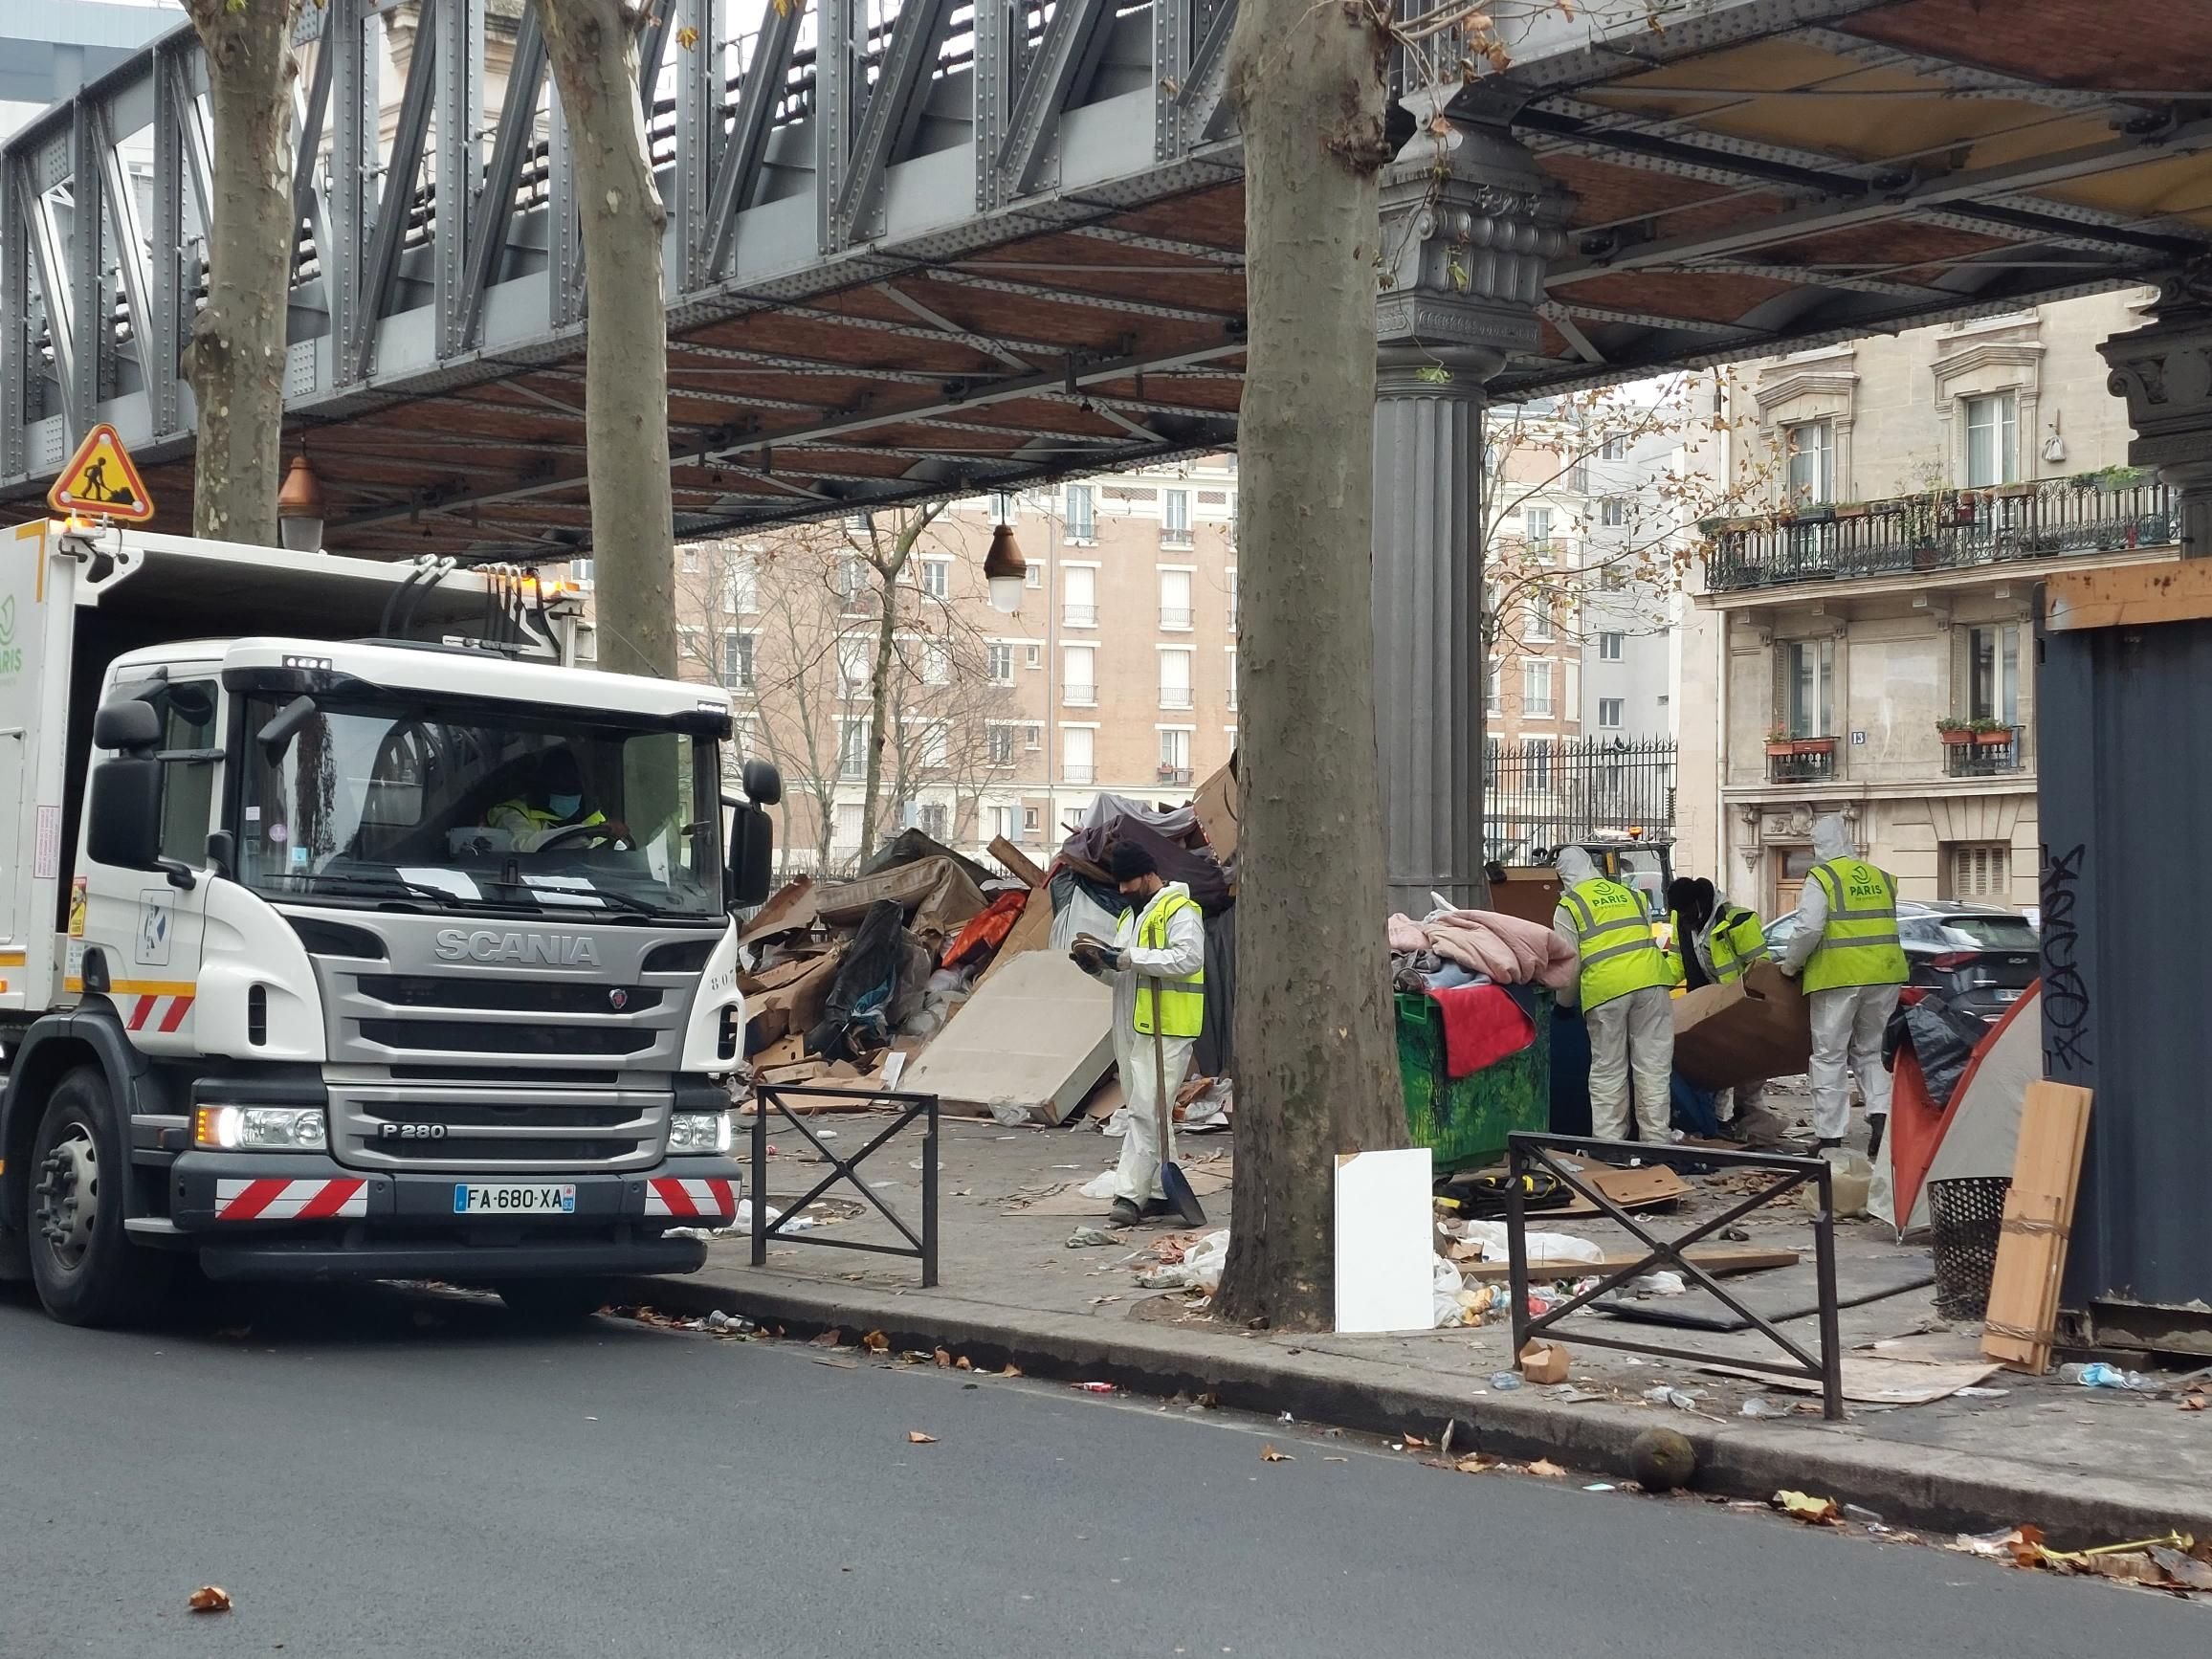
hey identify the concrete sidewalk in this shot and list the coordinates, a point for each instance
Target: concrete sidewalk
(2087, 1466)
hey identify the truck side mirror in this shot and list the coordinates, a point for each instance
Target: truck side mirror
(131, 724)
(124, 822)
(763, 784)
(752, 856)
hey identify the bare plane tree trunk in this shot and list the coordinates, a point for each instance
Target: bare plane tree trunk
(879, 711)
(235, 360)
(593, 46)
(1316, 1073)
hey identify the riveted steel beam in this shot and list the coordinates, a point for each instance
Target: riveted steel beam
(1067, 49)
(493, 216)
(460, 101)
(737, 169)
(888, 119)
(396, 200)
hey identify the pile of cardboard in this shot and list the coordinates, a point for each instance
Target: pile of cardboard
(1001, 1021)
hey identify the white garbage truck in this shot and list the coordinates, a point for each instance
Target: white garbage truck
(349, 930)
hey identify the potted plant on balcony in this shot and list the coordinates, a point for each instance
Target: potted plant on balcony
(1780, 741)
(1850, 509)
(1956, 733)
(1988, 733)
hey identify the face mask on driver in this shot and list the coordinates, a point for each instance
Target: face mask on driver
(564, 806)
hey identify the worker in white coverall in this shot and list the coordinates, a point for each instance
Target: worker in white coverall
(1852, 964)
(1158, 955)
(1623, 988)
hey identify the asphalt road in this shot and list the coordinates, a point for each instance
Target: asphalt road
(380, 1473)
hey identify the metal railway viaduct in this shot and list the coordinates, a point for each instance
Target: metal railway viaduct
(922, 247)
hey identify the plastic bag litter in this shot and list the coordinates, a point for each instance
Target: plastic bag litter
(1542, 1247)
(1681, 1399)
(1659, 1284)
(1009, 1112)
(1763, 1407)
(1099, 1186)
(1209, 1108)
(1200, 1269)
(1448, 1288)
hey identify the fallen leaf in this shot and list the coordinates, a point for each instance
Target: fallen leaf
(2026, 1547)
(827, 1340)
(916, 1437)
(2186, 1571)
(1819, 1512)
(1475, 1464)
(2128, 1569)
(2192, 1402)
(1268, 1454)
(962, 1363)
(944, 1359)
(1545, 1468)
(1012, 1370)
(210, 1598)
(1416, 1442)
(1209, 1403)
(876, 1342)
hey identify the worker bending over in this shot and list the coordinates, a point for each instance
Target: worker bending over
(1623, 987)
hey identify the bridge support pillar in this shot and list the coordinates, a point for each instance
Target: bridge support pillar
(2164, 371)
(1469, 223)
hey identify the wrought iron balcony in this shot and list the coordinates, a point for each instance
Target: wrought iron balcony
(1940, 530)
(1800, 760)
(1972, 754)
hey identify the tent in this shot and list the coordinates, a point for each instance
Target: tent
(1976, 1133)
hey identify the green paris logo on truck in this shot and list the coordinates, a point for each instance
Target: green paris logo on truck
(10, 653)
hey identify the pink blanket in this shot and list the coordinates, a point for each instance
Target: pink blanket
(1510, 951)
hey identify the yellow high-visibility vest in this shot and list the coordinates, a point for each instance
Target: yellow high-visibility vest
(1739, 942)
(1859, 946)
(1613, 934)
(1180, 1001)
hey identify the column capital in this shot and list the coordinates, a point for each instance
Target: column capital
(1469, 224)
(2164, 371)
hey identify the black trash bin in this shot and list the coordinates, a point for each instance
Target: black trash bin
(1967, 1216)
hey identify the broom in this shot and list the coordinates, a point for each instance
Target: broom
(1172, 1181)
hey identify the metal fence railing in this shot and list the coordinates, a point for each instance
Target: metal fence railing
(920, 1246)
(1540, 794)
(1529, 1155)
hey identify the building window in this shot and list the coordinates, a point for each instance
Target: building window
(936, 820)
(1230, 656)
(1082, 514)
(690, 559)
(1033, 820)
(1609, 646)
(936, 662)
(1033, 576)
(1175, 755)
(1032, 737)
(853, 660)
(582, 571)
(1611, 712)
(1002, 507)
(999, 745)
(1537, 532)
(933, 744)
(1079, 676)
(1613, 512)
(1175, 610)
(1810, 687)
(936, 578)
(1175, 518)
(1076, 755)
(1540, 630)
(1614, 447)
(1033, 657)
(853, 750)
(1976, 870)
(1494, 689)
(1537, 689)
(742, 587)
(1003, 825)
(1810, 446)
(1233, 601)
(1992, 440)
(1080, 596)
(999, 659)
(1175, 685)
(738, 661)
(853, 581)
(1612, 578)
(1993, 682)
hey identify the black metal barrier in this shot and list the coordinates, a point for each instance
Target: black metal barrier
(1527, 1153)
(909, 1107)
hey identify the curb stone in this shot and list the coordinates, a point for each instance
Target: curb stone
(1927, 1489)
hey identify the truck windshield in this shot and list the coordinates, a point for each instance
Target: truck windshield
(370, 801)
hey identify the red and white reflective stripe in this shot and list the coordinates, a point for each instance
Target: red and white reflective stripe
(157, 1013)
(674, 1195)
(281, 1200)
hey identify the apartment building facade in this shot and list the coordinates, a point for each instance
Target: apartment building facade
(1867, 645)
(1116, 675)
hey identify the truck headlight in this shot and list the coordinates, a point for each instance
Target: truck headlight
(261, 1128)
(699, 1132)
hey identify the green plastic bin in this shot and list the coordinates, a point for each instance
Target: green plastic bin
(1465, 1121)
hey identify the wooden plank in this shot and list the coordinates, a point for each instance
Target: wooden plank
(2129, 595)
(2039, 1211)
(1717, 1260)
(1017, 861)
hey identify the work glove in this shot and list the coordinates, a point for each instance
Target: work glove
(1123, 959)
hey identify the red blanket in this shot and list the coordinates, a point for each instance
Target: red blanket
(1482, 1024)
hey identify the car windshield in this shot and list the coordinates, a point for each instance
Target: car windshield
(376, 800)
(1977, 933)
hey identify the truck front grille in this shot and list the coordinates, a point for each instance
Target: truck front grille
(464, 1037)
(511, 996)
(491, 1125)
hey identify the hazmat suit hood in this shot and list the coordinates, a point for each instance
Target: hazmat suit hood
(1575, 867)
(1831, 839)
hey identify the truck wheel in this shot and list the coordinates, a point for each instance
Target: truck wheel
(87, 1270)
(553, 1302)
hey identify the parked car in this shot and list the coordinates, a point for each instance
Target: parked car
(1980, 957)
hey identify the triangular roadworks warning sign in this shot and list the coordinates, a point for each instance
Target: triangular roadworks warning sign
(100, 482)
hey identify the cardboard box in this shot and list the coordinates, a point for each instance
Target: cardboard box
(792, 1005)
(1529, 892)
(1543, 1363)
(1040, 1034)
(1757, 1028)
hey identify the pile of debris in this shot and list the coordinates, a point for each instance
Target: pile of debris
(932, 974)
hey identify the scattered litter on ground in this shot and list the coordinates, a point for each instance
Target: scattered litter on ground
(2099, 1375)
(210, 1598)
(1085, 1237)
(1680, 1399)
(1268, 1454)
(1760, 1406)
(1544, 1469)
(1094, 1387)
(1819, 1512)
(916, 1437)
(1600, 1486)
